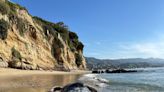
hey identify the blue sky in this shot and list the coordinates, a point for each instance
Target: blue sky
(109, 28)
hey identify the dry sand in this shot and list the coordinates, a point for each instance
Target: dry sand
(10, 71)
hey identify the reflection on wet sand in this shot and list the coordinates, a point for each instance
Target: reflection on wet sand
(34, 83)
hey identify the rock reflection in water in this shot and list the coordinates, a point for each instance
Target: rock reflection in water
(34, 83)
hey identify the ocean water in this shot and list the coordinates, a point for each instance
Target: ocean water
(149, 80)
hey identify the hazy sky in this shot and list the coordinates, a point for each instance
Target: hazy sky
(109, 28)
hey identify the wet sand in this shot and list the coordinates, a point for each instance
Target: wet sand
(13, 80)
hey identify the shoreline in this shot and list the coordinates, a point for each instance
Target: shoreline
(11, 71)
(15, 80)
(94, 81)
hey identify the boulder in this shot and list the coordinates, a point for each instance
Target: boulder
(95, 71)
(22, 64)
(74, 87)
(3, 64)
(98, 71)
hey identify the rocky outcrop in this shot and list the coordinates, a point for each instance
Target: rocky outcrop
(29, 42)
(115, 71)
(3, 64)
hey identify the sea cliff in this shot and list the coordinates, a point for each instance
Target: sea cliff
(31, 43)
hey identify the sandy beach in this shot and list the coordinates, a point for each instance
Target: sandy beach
(11, 71)
(14, 80)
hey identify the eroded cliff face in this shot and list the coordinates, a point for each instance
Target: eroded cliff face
(28, 42)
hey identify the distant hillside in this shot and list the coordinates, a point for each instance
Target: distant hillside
(93, 63)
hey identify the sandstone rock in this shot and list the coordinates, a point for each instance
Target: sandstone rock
(22, 64)
(3, 64)
(3, 0)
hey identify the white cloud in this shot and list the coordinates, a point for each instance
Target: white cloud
(153, 47)
(147, 49)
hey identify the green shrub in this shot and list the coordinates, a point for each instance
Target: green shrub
(4, 8)
(69, 37)
(53, 28)
(21, 25)
(42, 21)
(56, 46)
(78, 59)
(61, 28)
(71, 46)
(73, 35)
(14, 6)
(45, 25)
(3, 29)
(16, 53)
(80, 46)
(75, 42)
